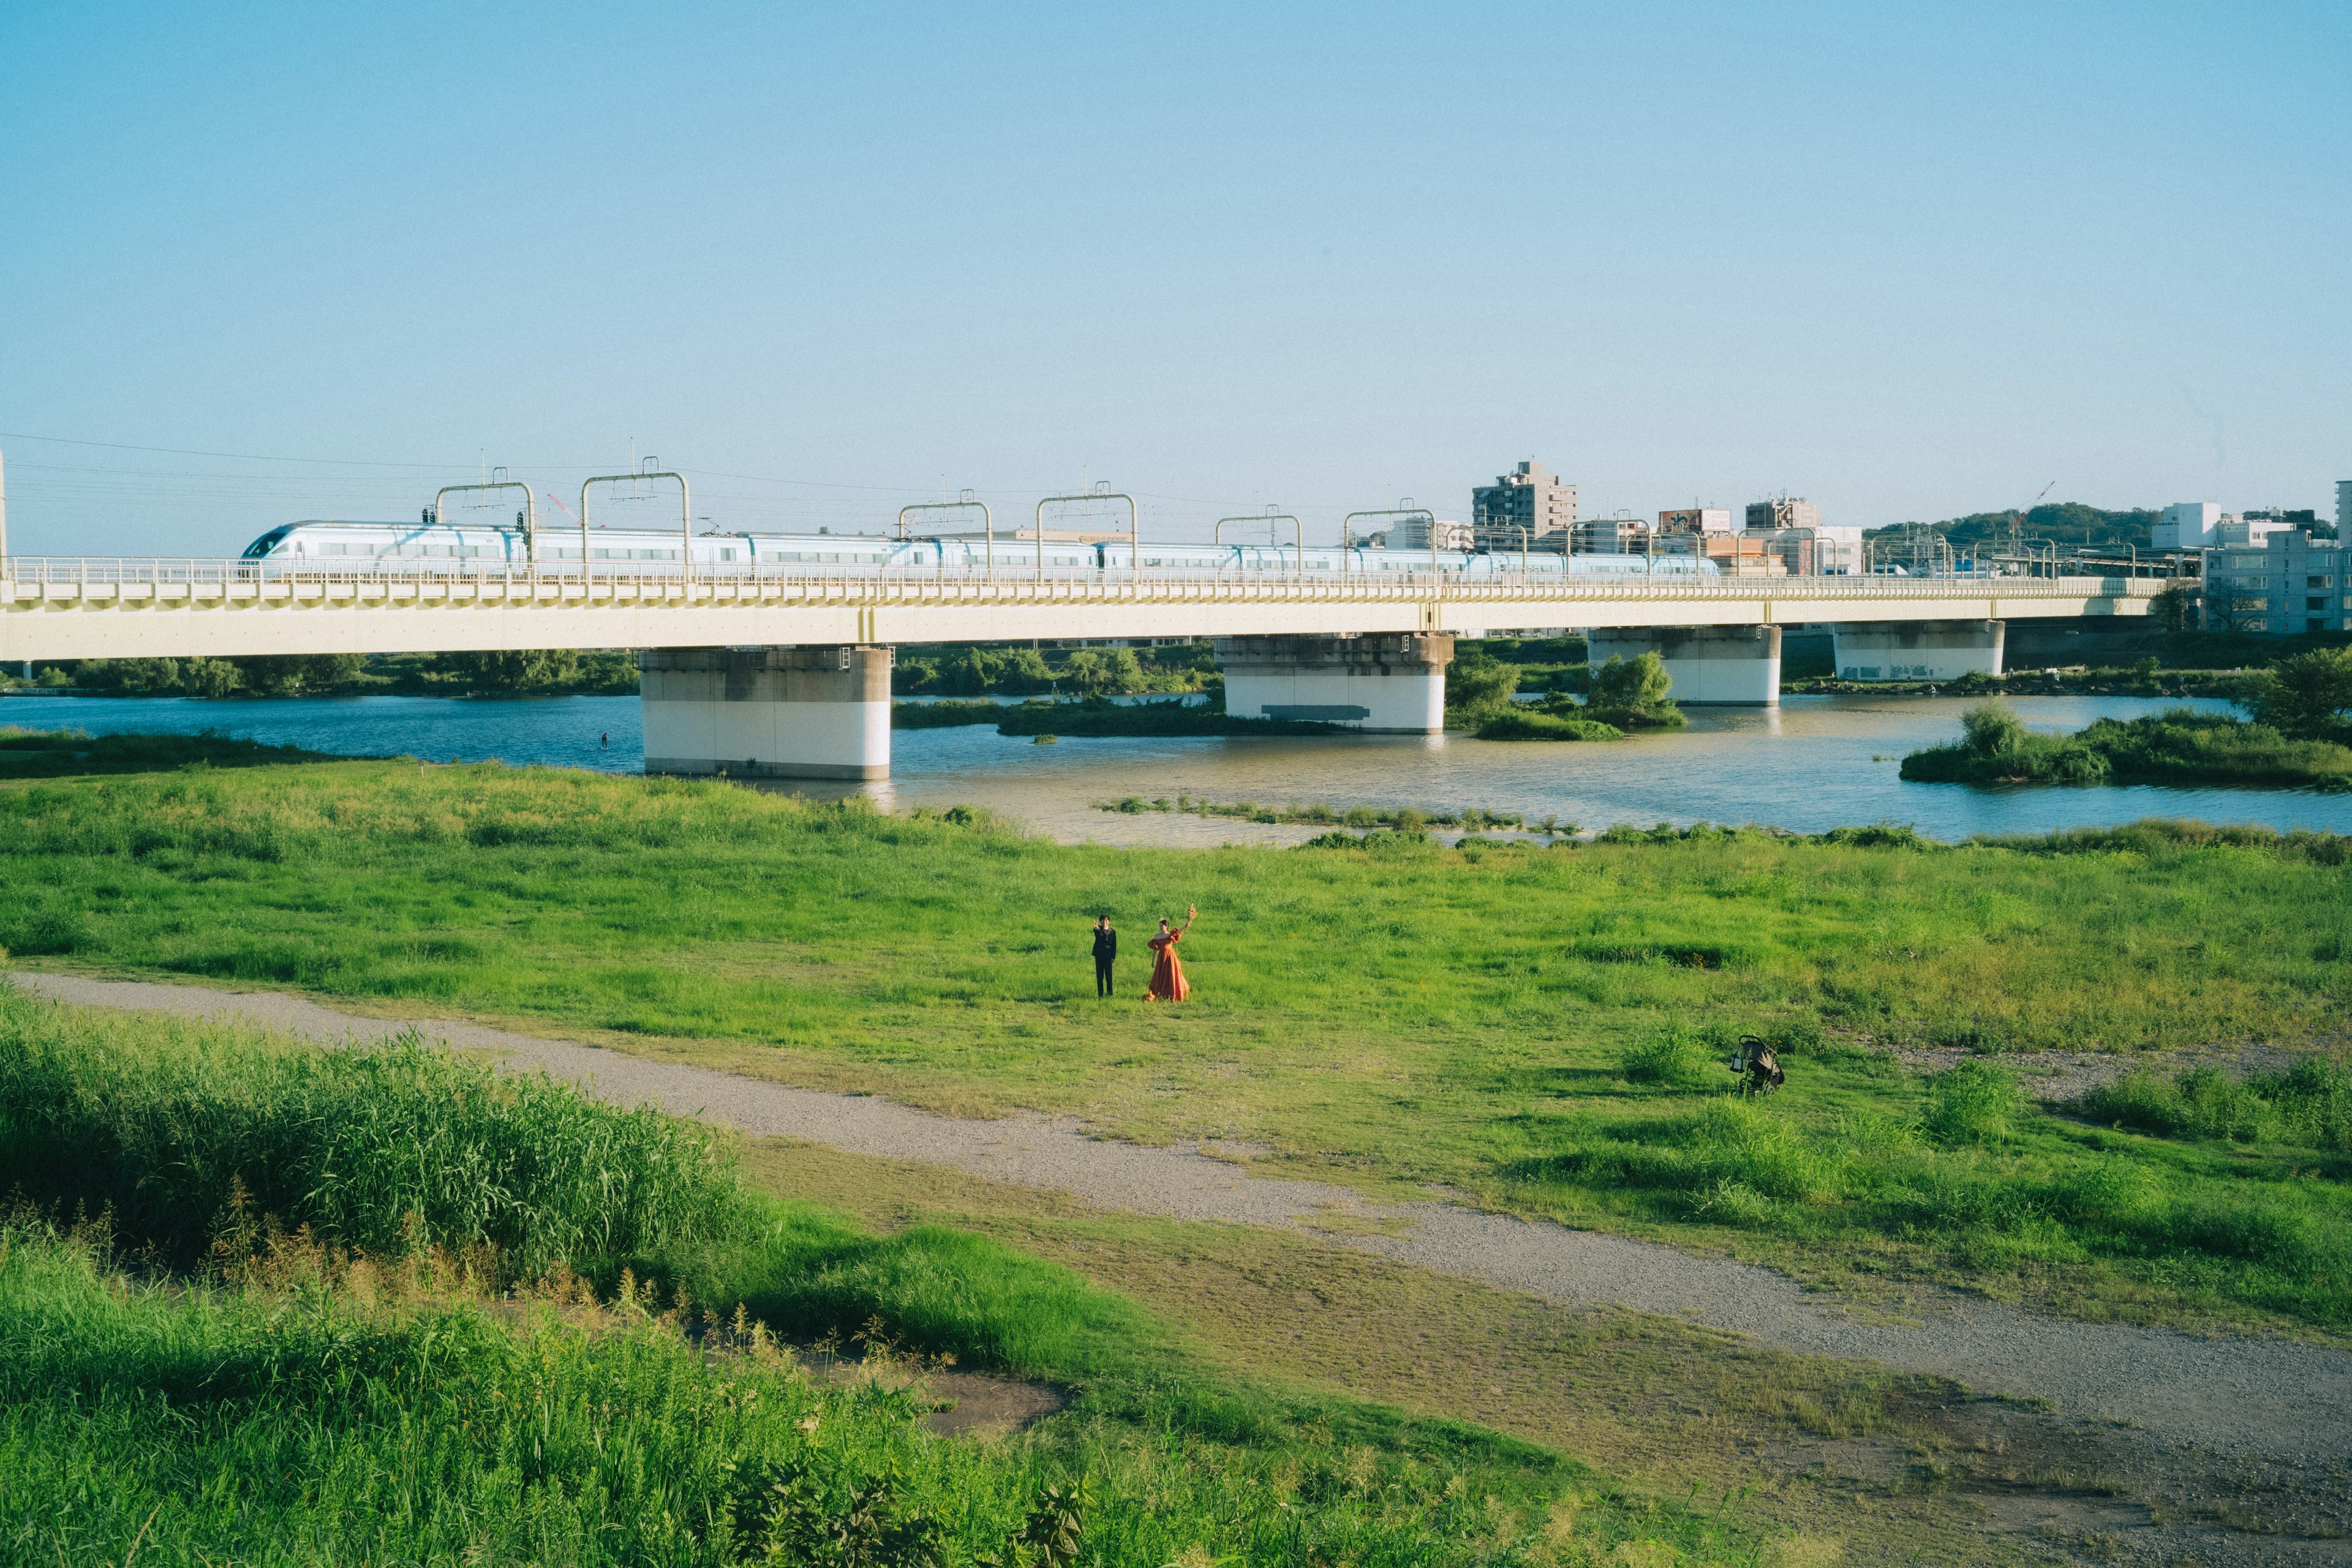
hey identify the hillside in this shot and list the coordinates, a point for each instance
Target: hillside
(2069, 524)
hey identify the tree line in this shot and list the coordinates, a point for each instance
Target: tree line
(514, 672)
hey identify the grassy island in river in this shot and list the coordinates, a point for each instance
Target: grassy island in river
(1534, 1025)
(2178, 747)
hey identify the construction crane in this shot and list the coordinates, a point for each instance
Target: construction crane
(2017, 528)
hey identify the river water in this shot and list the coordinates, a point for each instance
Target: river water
(1816, 762)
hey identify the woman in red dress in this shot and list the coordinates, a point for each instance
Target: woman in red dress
(1167, 975)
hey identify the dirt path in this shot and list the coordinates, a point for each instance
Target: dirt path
(2263, 1399)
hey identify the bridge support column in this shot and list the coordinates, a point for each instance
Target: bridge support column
(1917, 650)
(1384, 684)
(776, 713)
(1711, 666)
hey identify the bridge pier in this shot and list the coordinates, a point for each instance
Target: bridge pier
(1917, 650)
(774, 712)
(1383, 684)
(1711, 666)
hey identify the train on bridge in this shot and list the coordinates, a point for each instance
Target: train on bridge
(328, 545)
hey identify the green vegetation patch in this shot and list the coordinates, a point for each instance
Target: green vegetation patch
(307, 1397)
(1405, 818)
(1546, 725)
(1390, 1013)
(2242, 1200)
(174, 1130)
(59, 753)
(1097, 718)
(2179, 746)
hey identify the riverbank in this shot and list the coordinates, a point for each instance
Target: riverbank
(1533, 1025)
(625, 1351)
(1720, 1377)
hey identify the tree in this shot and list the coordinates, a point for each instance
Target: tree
(1103, 671)
(2309, 695)
(1993, 728)
(292, 674)
(1477, 688)
(2170, 609)
(1636, 687)
(202, 677)
(520, 669)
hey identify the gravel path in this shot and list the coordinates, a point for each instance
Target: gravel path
(2261, 1398)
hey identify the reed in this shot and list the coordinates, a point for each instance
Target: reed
(183, 1132)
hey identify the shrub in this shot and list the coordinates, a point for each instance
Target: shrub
(1669, 1054)
(2310, 1105)
(2309, 695)
(1975, 1102)
(1515, 725)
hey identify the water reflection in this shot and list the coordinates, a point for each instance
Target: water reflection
(1813, 764)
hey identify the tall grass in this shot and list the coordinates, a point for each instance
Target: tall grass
(2310, 1104)
(178, 1132)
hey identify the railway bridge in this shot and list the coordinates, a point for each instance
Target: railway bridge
(783, 673)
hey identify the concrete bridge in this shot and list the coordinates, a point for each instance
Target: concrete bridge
(788, 673)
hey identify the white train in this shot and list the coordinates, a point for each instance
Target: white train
(328, 546)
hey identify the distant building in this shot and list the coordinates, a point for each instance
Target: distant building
(1788, 511)
(1696, 520)
(1414, 533)
(2282, 582)
(1525, 498)
(2185, 525)
(2344, 508)
(2201, 525)
(1610, 536)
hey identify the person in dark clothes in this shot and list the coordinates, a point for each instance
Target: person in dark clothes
(1105, 950)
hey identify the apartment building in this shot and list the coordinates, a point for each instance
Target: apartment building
(1524, 505)
(2282, 582)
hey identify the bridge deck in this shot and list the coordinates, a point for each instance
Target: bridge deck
(105, 608)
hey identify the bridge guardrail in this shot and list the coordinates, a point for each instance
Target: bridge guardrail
(917, 584)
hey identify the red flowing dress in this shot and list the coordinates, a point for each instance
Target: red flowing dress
(1167, 975)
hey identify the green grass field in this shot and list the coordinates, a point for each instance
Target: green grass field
(1491, 1019)
(368, 1372)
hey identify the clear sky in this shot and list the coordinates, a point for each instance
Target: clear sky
(1908, 260)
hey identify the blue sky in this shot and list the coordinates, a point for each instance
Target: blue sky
(1907, 260)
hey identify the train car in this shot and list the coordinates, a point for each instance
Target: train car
(330, 545)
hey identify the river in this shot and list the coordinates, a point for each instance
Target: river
(1814, 763)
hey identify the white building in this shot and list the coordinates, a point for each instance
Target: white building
(2187, 525)
(2202, 525)
(1414, 533)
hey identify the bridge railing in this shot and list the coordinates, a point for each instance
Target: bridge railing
(897, 581)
